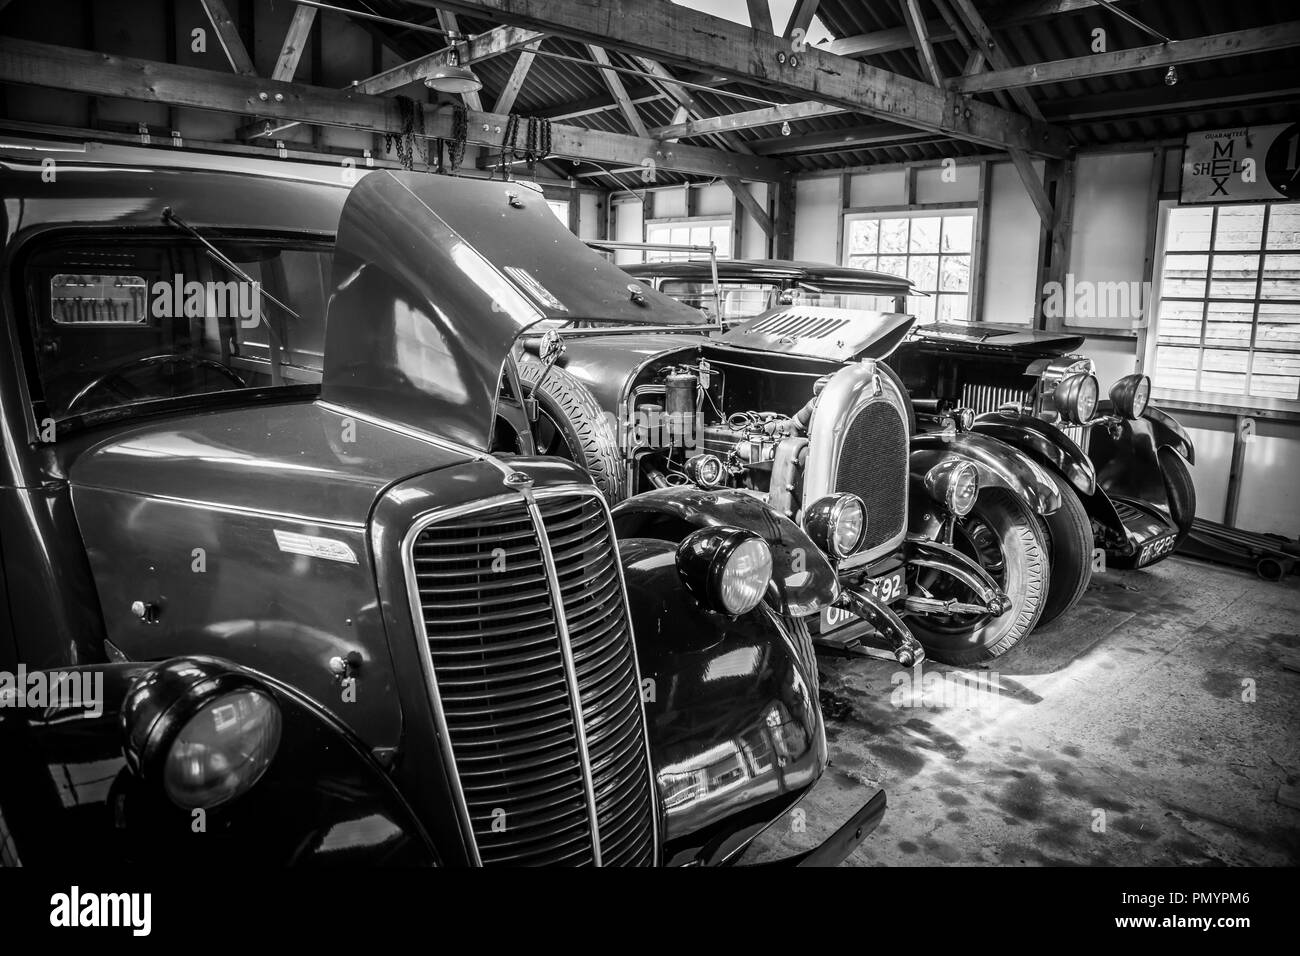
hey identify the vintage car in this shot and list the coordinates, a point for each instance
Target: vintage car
(795, 407)
(336, 605)
(1130, 489)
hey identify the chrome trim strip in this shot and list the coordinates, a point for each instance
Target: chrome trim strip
(426, 658)
(570, 671)
(636, 664)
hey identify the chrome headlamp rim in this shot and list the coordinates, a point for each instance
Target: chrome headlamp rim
(1124, 395)
(945, 483)
(1068, 397)
(822, 518)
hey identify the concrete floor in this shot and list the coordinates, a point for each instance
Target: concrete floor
(1116, 736)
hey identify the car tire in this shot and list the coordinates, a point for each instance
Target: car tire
(1025, 576)
(1180, 491)
(1069, 546)
(569, 406)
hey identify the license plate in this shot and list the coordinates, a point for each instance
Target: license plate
(1155, 548)
(887, 588)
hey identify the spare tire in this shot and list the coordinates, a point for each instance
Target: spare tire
(572, 425)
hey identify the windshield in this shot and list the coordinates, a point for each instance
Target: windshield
(743, 300)
(121, 322)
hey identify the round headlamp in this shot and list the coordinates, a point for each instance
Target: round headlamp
(955, 484)
(707, 471)
(837, 524)
(725, 569)
(1131, 395)
(1075, 397)
(202, 731)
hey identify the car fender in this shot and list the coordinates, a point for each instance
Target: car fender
(1169, 433)
(118, 817)
(1046, 444)
(803, 580)
(999, 466)
(735, 728)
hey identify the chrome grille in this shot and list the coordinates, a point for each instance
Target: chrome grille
(990, 398)
(873, 466)
(515, 640)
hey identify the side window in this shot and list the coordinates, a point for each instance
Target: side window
(121, 322)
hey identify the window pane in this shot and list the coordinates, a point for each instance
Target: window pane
(1224, 371)
(862, 262)
(699, 235)
(957, 233)
(953, 308)
(1234, 277)
(1284, 226)
(1184, 276)
(893, 235)
(722, 241)
(1281, 278)
(1228, 323)
(924, 272)
(1275, 375)
(1180, 322)
(1189, 228)
(894, 265)
(863, 235)
(954, 273)
(925, 235)
(1176, 368)
(1239, 227)
(1279, 327)
(922, 307)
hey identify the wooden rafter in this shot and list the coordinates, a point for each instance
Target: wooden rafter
(751, 205)
(295, 41)
(921, 40)
(614, 83)
(993, 52)
(760, 15)
(801, 18)
(223, 25)
(1278, 36)
(506, 101)
(663, 30)
(447, 20)
(99, 74)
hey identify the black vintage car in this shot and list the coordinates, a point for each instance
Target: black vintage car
(793, 405)
(337, 606)
(1026, 389)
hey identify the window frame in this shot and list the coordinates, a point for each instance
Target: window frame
(1221, 402)
(690, 222)
(926, 211)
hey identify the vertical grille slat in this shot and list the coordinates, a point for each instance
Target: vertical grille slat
(507, 682)
(873, 466)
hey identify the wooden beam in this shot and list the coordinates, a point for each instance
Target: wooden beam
(223, 25)
(1033, 185)
(920, 39)
(730, 122)
(801, 18)
(447, 20)
(832, 140)
(750, 205)
(99, 74)
(662, 30)
(1055, 240)
(485, 46)
(1279, 36)
(687, 101)
(760, 15)
(617, 90)
(993, 53)
(295, 41)
(506, 101)
(783, 219)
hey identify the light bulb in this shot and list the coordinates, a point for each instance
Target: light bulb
(1171, 76)
(785, 128)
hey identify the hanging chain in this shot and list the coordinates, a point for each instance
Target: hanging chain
(410, 140)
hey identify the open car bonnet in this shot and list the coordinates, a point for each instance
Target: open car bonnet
(1000, 338)
(834, 334)
(434, 279)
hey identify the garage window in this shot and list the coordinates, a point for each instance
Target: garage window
(931, 249)
(1228, 318)
(689, 232)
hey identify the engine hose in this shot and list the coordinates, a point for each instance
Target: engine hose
(657, 477)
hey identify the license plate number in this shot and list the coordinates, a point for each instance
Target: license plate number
(1156, 548)
(887, 588)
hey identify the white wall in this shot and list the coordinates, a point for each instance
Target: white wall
(1011, 255)
(816, 217)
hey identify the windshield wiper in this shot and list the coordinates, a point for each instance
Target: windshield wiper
(177, 222)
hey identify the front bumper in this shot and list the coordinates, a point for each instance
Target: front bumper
(836, 848)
